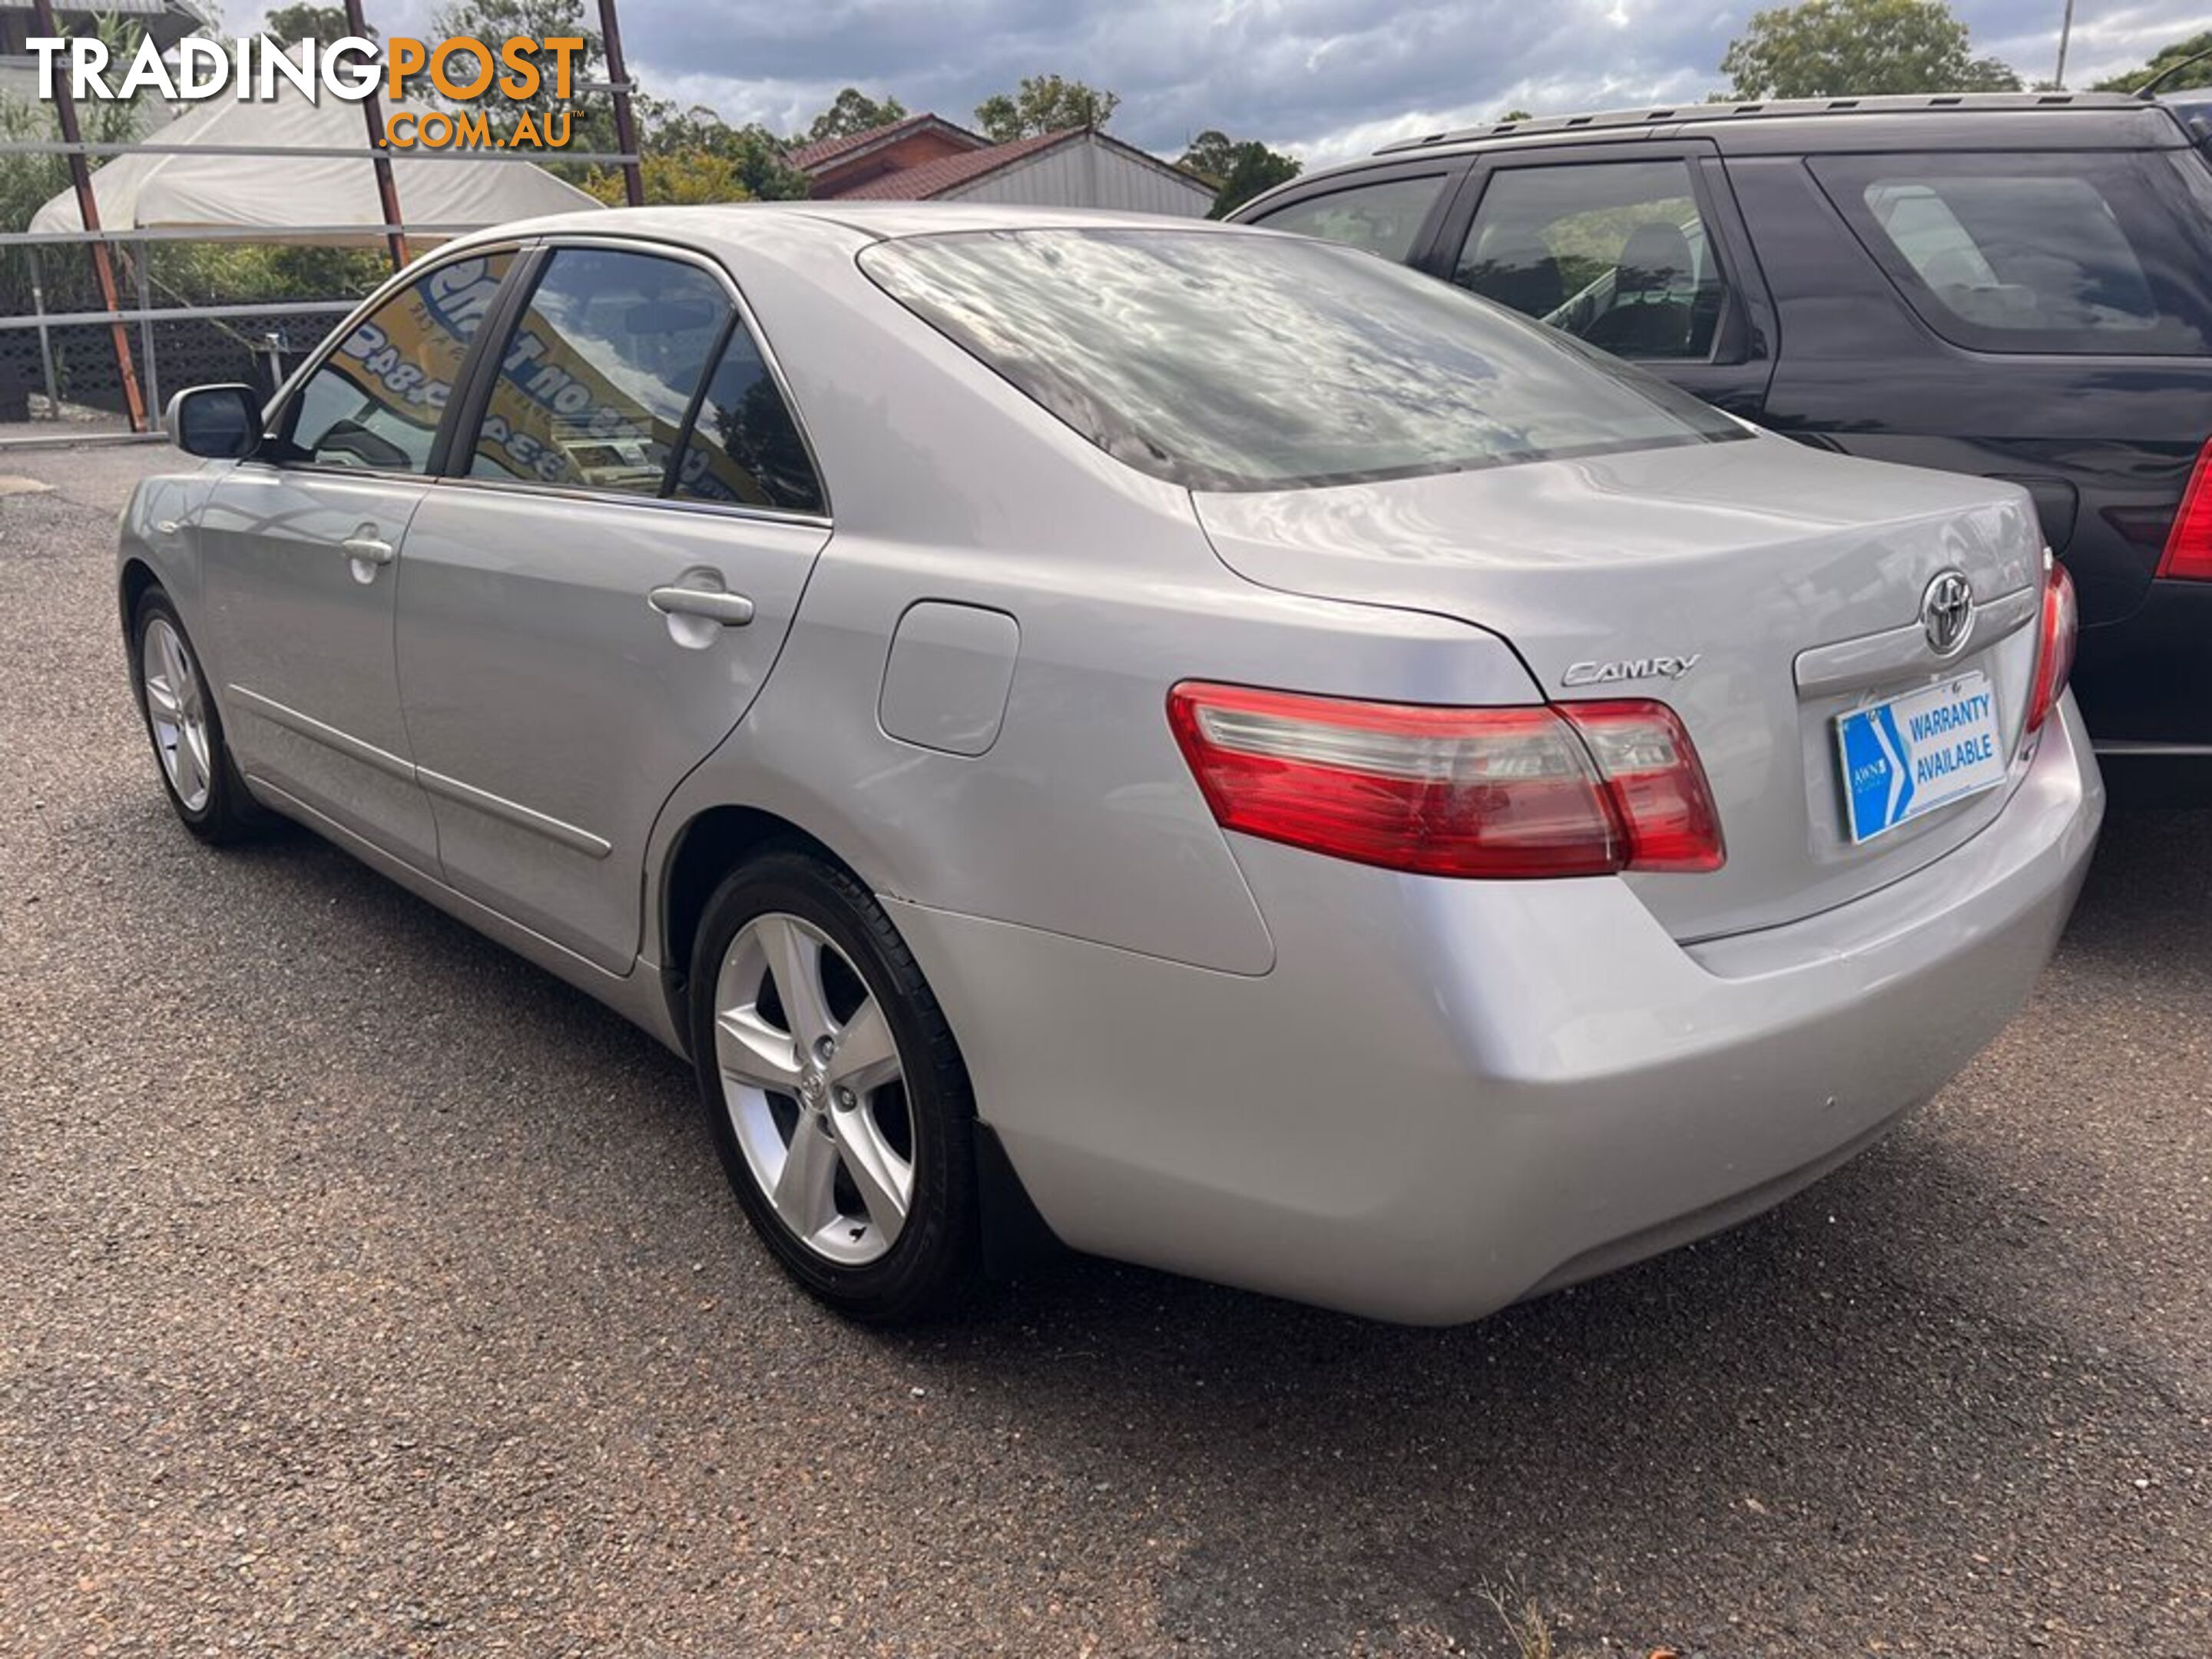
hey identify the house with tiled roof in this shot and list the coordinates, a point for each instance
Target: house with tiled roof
(925, 158)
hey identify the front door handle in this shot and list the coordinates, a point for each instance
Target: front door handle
(731, 610)
(369, 549)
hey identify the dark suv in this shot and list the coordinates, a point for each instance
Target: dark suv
(2017, 286)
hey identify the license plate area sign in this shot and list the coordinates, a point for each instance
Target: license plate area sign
(1913, 754)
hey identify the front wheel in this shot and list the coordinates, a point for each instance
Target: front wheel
(834, 1091)
(203, 784)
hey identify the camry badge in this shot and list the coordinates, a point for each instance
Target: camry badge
(1946, 612)
(1630, 668)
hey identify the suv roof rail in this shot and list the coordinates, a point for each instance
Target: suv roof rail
(1772, 108)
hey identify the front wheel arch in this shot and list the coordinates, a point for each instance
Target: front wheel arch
(137, 576)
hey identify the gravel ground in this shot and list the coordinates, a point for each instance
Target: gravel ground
(368, 1293)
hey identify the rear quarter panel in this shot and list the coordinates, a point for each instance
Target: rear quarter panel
(1081, 819)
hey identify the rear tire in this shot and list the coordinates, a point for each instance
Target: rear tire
(834, 1091)
(204, 785)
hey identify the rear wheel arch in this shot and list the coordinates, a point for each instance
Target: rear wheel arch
(706, 849)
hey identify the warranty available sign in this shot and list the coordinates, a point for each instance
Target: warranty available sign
(460, 68)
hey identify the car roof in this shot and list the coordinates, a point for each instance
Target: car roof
(787, 229)
(1992, 119)
(1801, 126)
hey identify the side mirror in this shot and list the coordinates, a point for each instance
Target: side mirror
(215, 422)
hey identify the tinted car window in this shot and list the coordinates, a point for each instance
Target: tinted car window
(1225, 361)
(2079, 253)
(1615, 253)
(744, 447)
(596, 378)
(376, 399)
(1382, 218)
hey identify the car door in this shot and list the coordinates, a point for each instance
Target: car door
(1634, 247)
(597, 591)
(300, 549)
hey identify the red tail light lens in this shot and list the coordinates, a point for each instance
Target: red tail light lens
(1587, 789)
(2054, 654)
(2188, 555)
(1657, 785)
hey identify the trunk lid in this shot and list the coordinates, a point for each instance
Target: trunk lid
(1759, 589)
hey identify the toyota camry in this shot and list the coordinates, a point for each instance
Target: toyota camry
(1196, 742)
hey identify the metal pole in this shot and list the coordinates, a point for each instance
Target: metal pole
(625, 127)
(103, 268)
(146, 334)
(2065, 39)
(387, 192)
(46, 338)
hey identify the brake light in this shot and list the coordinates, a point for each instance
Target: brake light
(2188, 555)
(1575, 790)
(2054, 650)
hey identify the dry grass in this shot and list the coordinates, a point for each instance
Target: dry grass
(1524, 1619)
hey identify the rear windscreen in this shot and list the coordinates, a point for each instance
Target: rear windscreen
(1227, 361)
(2101, 251)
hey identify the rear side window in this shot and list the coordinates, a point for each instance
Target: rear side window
(1614, 253)
(1382, 218)
(596, 378)
(2091, 252)
(1221, 360)
(744, 447)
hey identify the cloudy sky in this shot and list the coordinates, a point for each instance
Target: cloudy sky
(1323, 79)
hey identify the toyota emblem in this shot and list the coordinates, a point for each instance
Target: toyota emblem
(1947, 612)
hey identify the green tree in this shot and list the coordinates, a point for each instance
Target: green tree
(1254, 168)
(1517, 115)
(852, 112)
(1210, 154)
(1859, 48)
(1043, 103)
(28, 181)
(592, 115)
(752, 154)
(674, 177)
(2197, 74)
(322, 24)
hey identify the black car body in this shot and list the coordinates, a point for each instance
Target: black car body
(2018, 287)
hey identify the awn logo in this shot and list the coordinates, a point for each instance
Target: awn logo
(461, 68)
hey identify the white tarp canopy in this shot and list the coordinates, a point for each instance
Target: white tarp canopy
(334, 196)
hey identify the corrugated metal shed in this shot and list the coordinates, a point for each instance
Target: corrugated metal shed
(1088, 170)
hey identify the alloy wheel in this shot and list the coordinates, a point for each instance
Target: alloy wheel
(815, 1089)
(176, 708)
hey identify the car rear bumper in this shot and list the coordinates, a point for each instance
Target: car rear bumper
(2145, 680)
(1446, 1095)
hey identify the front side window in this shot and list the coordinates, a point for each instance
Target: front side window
(1223, 360)
(1382, 218)
(1616, 253)
(2093, 251)
(594, 382)
(375, 400)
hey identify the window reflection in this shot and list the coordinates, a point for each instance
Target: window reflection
(1223, 360)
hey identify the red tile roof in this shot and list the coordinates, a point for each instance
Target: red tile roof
(808, 157)
(934, 178)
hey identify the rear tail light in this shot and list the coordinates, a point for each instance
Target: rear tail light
(2054, 651)
(1578, 790)
(2188, 555)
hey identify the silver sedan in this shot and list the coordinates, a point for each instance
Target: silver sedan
(1196, 743)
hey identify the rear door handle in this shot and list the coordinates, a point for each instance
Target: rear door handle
(369, 549)
(731, 610)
